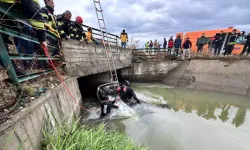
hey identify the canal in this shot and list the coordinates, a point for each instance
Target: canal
(193, 120)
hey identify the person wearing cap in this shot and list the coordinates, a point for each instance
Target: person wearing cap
(64, 24)
(76, 31)
(124, 38)
(89, 37)
(186, 46)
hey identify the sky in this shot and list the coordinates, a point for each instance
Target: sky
(146, 20)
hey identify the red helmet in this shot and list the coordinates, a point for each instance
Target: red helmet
(79, 19)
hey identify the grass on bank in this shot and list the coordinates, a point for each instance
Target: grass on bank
(81, 137)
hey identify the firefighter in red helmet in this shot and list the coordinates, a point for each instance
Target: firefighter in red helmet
(76, 30)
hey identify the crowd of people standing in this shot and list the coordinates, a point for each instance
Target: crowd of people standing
(215, 44)
(168, 45)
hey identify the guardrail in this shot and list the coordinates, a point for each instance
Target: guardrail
(8, 59)
(150, 54)
(113, 39)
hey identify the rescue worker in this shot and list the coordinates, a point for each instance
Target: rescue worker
(47, 13)
(76, 30)
(31, 10)
(170, 44)
(126, 93)
(124, 38)
(218, 42)
(89, 37)
(106, 101)
(231, 42)
(64, 24)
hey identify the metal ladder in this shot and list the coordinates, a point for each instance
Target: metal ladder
(108, 51)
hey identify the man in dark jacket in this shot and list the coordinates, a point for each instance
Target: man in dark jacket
(187, 45)
(218, 42)
(64, 24)
(231, 42)
(201, 42)
(165, 43)
(177, 44)
(247, 45)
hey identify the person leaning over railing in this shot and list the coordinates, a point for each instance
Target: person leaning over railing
(31, 9)
(76, 30)
(64, 24)
(50, 23)
(47, 13)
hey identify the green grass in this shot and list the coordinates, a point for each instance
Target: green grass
(81, 137)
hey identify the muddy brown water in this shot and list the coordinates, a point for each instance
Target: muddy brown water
(195, 120)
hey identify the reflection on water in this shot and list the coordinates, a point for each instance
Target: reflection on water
(194, 120)
(209, 105)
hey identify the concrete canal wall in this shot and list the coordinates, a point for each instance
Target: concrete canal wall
(226, 75)
(229, 76)
(26, 126)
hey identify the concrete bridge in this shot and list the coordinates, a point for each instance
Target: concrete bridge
(88, 59)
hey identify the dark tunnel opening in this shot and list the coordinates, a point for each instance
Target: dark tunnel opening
(88, 84)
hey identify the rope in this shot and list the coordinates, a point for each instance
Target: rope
(9, 9)
(63, 83)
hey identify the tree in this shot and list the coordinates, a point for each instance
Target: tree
(133, 43)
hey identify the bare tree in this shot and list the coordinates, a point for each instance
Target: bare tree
(133, 43)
